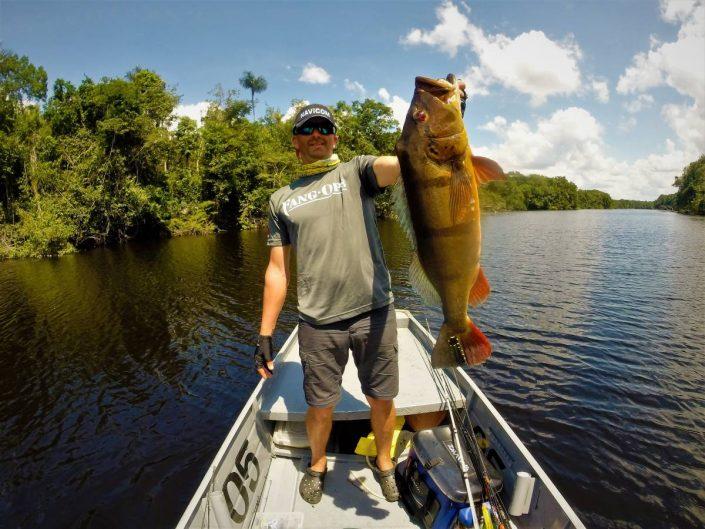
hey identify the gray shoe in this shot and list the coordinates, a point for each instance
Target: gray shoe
(311, 486)
(387, 483)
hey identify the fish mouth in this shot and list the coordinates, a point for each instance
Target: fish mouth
(439, 88)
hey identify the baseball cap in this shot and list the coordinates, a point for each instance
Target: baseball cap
(313, 111)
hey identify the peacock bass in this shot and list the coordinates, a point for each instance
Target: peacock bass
(438, 205)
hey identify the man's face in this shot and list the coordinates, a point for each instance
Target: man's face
(315, 146)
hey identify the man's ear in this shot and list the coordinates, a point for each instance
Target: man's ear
(295, 144)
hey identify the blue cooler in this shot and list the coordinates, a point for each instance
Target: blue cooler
(431, 482)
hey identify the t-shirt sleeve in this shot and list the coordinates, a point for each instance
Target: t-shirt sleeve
(278, 234)
(367, 175)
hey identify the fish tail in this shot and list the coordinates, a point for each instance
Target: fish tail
(476, 348)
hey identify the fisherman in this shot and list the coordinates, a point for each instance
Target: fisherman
(345, 299)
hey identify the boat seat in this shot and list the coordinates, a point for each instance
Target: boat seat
(282, 397)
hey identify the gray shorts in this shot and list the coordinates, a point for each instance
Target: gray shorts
(371, 336)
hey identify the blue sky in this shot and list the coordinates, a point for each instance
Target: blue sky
(609, 94)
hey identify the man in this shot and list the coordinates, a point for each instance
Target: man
(343, 287)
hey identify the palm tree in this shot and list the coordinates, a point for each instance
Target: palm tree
(254, 84)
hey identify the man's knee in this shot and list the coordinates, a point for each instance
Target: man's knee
(380, 404)
(320, 414)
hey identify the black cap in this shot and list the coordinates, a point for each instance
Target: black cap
(313, 111)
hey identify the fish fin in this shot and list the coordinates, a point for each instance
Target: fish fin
(461, 201)
(476, 347)
(401, 208)
(480, 291)
(422, 284)
(487, 170)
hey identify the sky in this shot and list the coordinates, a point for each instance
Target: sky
(609, 94)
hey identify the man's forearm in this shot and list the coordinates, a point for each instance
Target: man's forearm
(275, 286)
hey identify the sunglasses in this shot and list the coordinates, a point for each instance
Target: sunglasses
(307, 130)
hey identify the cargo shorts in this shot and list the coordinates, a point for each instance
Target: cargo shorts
(324, 350)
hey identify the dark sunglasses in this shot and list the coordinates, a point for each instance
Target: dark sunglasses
(307, 130)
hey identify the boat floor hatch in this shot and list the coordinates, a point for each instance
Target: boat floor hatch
(344, 504)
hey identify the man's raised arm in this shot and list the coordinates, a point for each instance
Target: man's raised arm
(387, 170)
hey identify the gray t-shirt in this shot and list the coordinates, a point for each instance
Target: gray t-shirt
(329, 218)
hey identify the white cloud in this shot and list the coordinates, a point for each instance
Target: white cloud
(530, 63)
(688, 122)
(602, 91)
(293, 109)
(451, 32)
(476, 81)
(195, 111)
(643, 101)
(398, 105)
(570, 143)
(356, 88)
(676, 64)
(679, 65)
(677, 10)
(313, 74)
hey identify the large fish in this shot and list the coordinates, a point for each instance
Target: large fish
(439, 207)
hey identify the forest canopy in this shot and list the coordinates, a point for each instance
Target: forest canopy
(107, 160)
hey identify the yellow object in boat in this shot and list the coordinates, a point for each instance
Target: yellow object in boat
(486, 517)
(366, 445)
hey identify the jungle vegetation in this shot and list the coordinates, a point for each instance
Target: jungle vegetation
(107, 160)
(690, 197)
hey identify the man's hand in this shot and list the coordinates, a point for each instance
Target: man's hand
(463, 96)
(264, 357)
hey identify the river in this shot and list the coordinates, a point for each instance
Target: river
(121, 370)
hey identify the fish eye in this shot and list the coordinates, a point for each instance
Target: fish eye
(420, 116)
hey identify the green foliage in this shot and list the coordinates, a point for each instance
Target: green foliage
(20, 81)
(593, 199)
(633, 204)
(44, 231)
(667, 202)
(533, 192)
(690, 197)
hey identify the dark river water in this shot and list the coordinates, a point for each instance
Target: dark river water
(122, 370)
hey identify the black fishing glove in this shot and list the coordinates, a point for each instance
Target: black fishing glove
(263, 352)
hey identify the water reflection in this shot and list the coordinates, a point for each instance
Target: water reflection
(122, 370)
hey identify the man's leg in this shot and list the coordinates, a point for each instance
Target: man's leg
(382, 417)
(318, 425)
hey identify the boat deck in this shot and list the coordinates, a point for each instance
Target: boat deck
(344, 504)
(283, 399)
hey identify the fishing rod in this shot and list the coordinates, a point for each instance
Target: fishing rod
(483, 476)
(443, 387)
(464, 468)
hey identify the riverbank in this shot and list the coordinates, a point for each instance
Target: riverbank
(106, 161)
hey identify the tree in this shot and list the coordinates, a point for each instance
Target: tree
(254, 84)
(690, 197)
(20, 83)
